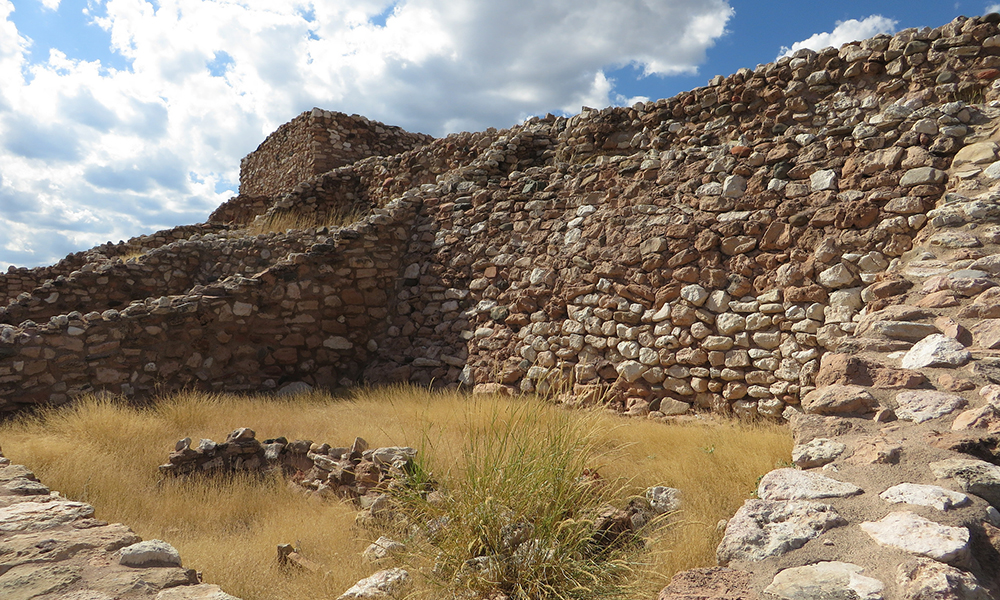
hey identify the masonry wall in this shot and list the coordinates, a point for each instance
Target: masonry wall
(315, 142)
(701, 251)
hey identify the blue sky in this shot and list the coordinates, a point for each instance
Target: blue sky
(121, 117)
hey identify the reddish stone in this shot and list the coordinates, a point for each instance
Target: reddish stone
(845, 369)
(809, 293)
(988, 74)
(949, 383)
(952, 329)
(741, 151)
(939, 299)
(712, 583)
(892, 287)
(987, 333)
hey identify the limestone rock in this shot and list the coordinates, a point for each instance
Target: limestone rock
(839, 399)
(936, 350)
(204, 591)
(664, 499)
(926, 579)
(817, 453)
(384, 584)
(924, 495)
(382, 548)
(837, 276)
(763, 528)
(976, 476)
(792, 484)
(150, 553)
(25, 582)
(38, 516)
(923, 405)
(923, 537)
(832, 579)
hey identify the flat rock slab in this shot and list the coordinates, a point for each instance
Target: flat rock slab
(383, 584)
(923, 405)
(712, 583)
(39, 516)
(976, 476)
(839, 399)
(926, 579)
(763, 528)
(923, 537)
(986, 333)
(924, 495)
(792, 484)
(936, 350)
(817, 453)
(203, 591)
(25, 582)
(827, 580)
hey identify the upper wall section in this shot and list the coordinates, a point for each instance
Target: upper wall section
(316, 142)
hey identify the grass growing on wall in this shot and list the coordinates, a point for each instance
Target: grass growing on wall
(106, 453)
(283, 221)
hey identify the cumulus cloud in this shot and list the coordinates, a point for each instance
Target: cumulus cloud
(845, 31)
(991, 8)
(91, 153)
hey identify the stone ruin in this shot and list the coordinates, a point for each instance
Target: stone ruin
(813, 240)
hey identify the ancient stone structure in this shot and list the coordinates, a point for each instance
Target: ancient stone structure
(814, 240)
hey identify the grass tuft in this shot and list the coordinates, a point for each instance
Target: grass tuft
(283, 221)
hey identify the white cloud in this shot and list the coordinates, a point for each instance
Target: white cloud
(992, 8)
(50, 4)
(89, 153)
(845, 31)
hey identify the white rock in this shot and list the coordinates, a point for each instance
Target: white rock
(730, 323)
(936, 350)
(631, 370)
(837, 276)
(924, 495)
(381, 548)
(39, 516)
(923, 537)
(926, 579)
(150, 553)
(792, 484)
(734, 186)
(202, 591)
(762, 528)
(823, 180)
(384, 584)
(825, 580)
(976, 476)
(664, 499)
(695, 294)
(817, 453)
(923, 405)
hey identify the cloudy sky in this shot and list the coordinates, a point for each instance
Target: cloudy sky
(122, 117)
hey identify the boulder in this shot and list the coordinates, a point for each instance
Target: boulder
(923, 405)
(825, 580)
(389, 583)
(763, 528)
(923, 537)
(150, 553)
(792, 484)
(976, 476)
(924, 495)
(936, 350)
(926, 579)
(816, 453)
(838, 400)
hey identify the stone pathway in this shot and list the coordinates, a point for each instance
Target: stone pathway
(52, 548)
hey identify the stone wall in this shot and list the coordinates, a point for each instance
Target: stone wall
(311, 317)
(315, 142)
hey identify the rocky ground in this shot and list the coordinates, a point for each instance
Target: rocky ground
(52, 548)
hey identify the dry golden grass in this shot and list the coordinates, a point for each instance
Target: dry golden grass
(282, 222)
(106, 453)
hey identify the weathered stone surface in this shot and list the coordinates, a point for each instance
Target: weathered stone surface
(976, 476)
(936, 350)
(924, 495)
(762, 528)
(389, 583)
(816, 453)
(37, 516)
(838, 368)
(922, 176)
(833, 580)
(926, 579)
(664, 499)
(204, 591)
(986, 333)
(923, 537)
(792, 484)
(150, 553)
(382, 548)
(712, 583)
(923, 405)
(839, 399)
(29, 581)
